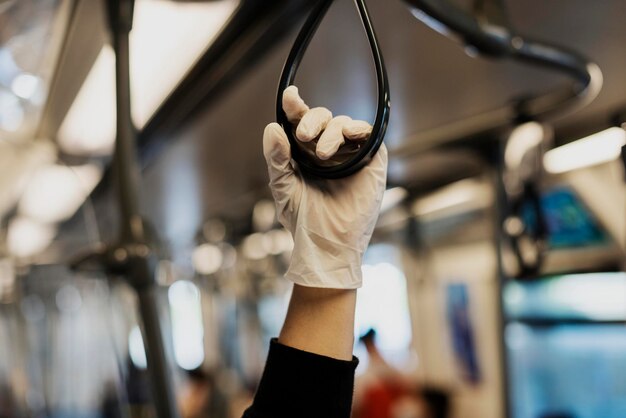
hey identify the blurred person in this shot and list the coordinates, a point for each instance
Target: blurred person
(240, 402)
(309, 372)
(137, 390)
(196, 397)
(383, 391)
(437, 402)
(426, 402)
(110, 406)
(409, 407)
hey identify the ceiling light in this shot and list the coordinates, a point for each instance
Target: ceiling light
(455, 196)
(163, 30)
(277, 241)
(18, 162)
(254, 247)
(602, 147)
(56, 192)
(27, 237)
(89, 127)
(187, 325)
(27, 86)
(392, 198)
(229, 256)
(166, 40)
(207, 259)
(523, 138)
(68, 299)
(11, 112)
(263, 215)
(136, 349)
(182, 292)
(9, 69)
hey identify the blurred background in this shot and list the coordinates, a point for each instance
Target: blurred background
(494, 284)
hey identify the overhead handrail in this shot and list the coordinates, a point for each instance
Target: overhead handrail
(364, 151)
(489, 33)
(498, 40)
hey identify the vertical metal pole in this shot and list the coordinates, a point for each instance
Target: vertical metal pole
(502, 279)
(141, 274)
(156, 355)
(125, 158)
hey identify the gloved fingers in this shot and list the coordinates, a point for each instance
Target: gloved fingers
(312, 123)
(277, 152)
(357, 130)
(332, 138)
(293, 105)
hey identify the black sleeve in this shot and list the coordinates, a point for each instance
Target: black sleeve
(298, 384)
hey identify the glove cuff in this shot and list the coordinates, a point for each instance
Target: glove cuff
(347, 278)
(317, 262)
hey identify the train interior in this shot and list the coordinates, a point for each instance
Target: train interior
(495, 275)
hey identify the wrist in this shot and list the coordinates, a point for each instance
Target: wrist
(319, 262)
(347, 277)
(321, 321)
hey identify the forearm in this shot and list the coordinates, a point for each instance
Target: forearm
(310, 370)
(321, 321)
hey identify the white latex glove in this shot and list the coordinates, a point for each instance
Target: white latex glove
(331, 221)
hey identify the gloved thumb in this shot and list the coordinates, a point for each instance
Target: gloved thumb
(277, 152)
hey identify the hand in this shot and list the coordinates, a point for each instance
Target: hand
(331, 221)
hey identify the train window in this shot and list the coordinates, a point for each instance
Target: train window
(136, 349)
(187, 328)
(575, 368)
(565, 344)
(272, 312)
(591, 296)
(382, 305)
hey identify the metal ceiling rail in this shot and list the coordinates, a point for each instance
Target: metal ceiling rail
(488, 33)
